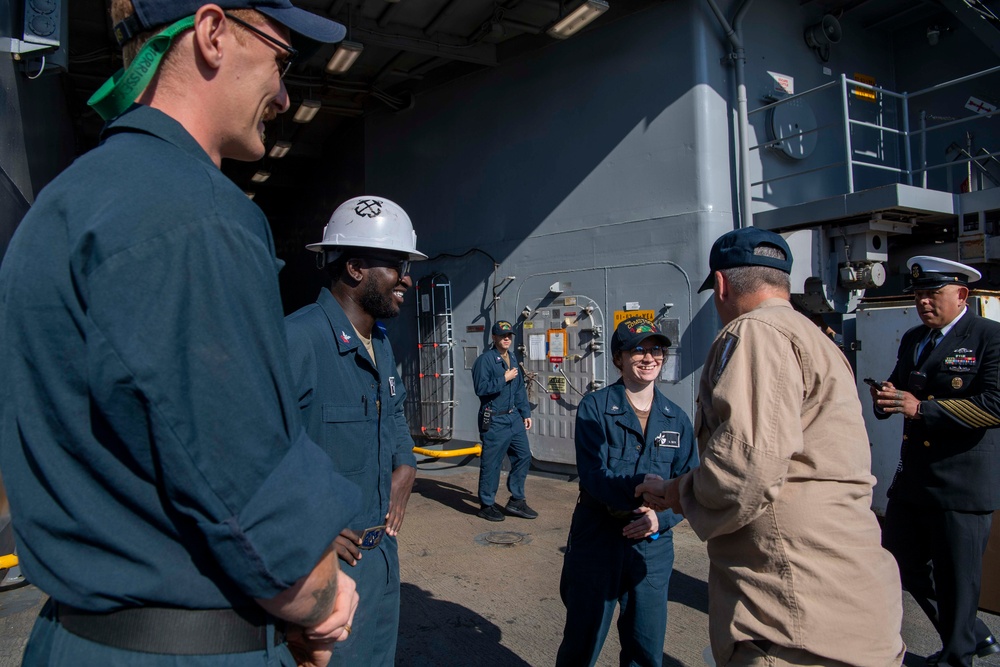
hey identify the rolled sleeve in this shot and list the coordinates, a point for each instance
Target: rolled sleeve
(403, 456)
(307, 499)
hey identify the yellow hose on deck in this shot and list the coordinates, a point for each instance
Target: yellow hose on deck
(476, 450)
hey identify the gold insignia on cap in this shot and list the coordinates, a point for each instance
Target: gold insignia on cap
(956, 383)
(915, 270)
(640, 325)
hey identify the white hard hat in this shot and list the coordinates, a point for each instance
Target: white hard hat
(370, 222)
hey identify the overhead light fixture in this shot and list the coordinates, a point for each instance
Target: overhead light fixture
(307, 111)
(573, 22)
(250, 194)
(344, 57)
(260, 176)
(280, 149)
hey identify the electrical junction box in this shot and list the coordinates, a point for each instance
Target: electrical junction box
(42, 47)
(42, 22)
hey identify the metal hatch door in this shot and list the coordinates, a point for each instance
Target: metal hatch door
(562, 347)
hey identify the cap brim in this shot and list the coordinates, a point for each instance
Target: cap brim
(709, 282)
(937, 284)
(644, 337)
(310, 31)
(659, 335)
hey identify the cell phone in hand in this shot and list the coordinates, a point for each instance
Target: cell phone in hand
(873, 383)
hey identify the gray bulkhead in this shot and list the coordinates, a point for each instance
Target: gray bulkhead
(603, 164)
(608, 165)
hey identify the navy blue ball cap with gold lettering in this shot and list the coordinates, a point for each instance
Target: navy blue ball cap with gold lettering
(736, 248)
(633, 330)
(303, 24)
(502, 328)
(927, 273)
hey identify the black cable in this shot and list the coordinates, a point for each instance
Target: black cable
(467, 252)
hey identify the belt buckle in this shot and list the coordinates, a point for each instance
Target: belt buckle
(371, 537)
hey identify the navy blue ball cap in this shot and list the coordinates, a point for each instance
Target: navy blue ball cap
(632, 331)
(502, 328)
(736, 248)
(314, 28)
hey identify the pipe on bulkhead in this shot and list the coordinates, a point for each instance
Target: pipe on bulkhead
(738, 55)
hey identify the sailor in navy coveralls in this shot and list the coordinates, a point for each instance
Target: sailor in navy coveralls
(502, 395)
(620, 554)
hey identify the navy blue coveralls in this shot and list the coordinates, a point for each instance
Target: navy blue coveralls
(506, 434)
(152, 448)
(354, 410)
(941, 501)
(602, 568)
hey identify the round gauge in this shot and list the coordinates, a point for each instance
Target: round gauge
(41, 25)
(43, 6)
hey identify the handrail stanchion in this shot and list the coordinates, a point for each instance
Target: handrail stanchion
(847, 133)
(923, 148)
(906, 139)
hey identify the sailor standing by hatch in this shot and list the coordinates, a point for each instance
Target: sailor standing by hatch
(620, 554)
(504, 420)
(351, 397)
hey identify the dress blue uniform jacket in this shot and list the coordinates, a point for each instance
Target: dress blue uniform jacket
(613, 456)
(950, 457)
(352, 408)
(152, 447)
(492, 389)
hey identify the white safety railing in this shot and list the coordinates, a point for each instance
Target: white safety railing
(905, 170)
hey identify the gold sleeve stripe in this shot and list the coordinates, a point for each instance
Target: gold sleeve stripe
(968, 412)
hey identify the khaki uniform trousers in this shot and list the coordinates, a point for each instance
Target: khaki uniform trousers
(758, 654)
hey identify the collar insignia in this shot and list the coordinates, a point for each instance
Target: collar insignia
(344, 337)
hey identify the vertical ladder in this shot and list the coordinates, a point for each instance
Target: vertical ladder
(435, 334)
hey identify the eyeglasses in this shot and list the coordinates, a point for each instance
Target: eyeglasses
(284, 64)
(639, 352)
(402, 266)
